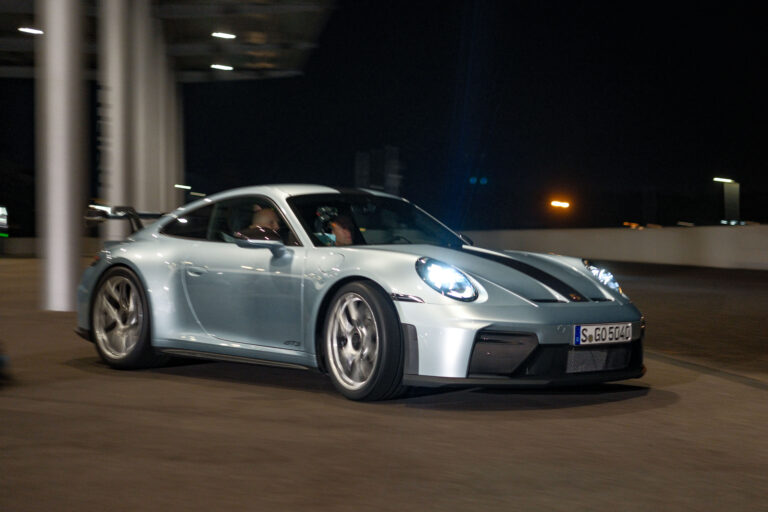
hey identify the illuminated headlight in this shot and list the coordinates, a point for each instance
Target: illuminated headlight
(604, 276)
(446, 279)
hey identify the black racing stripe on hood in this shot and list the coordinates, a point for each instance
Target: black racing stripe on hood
(545, 278)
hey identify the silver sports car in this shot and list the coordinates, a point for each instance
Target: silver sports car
(361, 285)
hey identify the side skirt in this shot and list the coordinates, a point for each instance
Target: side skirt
(231, 359)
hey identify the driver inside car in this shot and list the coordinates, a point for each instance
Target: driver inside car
(342, 227)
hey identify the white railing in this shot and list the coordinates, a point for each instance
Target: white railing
(707, 246)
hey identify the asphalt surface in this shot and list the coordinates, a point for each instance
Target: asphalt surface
(690, 435)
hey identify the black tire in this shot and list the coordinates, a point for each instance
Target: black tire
(120, 311)
(348, 352)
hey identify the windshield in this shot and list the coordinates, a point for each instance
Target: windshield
(364, 219)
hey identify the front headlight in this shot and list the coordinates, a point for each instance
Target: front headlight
(604, 276)
(446, 279)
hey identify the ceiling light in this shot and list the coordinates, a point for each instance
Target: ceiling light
(223, 35)
(30, 30)
(222, 67)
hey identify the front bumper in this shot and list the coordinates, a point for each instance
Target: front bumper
(551, 365)
(572, 380)
(489, 346)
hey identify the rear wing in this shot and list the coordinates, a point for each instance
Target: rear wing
(96, 214)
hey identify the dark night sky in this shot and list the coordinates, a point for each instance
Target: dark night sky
(628, 109)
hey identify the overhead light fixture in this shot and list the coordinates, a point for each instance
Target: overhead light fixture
(560, 204)
(197, 194)
(723, 180)
(185, 187)
(222, 67)
(223, 35)
(30, 30)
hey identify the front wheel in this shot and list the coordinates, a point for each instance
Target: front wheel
(363, 343)
(120, 321)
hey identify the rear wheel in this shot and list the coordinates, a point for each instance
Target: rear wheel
(120, 321)
(363, 343)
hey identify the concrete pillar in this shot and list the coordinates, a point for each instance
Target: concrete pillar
(114, 110)
(141, 100)
(731, 200)
(60, 146)
(160, 94)
(154, 170)
(156, 125)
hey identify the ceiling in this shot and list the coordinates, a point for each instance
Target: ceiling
(273, 37)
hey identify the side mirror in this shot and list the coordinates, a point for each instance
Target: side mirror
(275, 246)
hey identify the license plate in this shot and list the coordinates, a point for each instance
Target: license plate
(602, 333)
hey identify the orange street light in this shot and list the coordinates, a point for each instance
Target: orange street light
(560, 204)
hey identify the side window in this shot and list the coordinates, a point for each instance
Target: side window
(191, 225)
(251, 217)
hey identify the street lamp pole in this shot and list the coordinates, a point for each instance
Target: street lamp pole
(731, 192)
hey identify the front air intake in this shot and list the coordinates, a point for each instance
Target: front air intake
(598, 359)
(495, 354)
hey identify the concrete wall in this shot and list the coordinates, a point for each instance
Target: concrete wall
(711, 246)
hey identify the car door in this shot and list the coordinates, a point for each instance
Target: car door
(246, 295)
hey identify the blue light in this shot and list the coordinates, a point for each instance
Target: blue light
(483, 180)
(473, 180)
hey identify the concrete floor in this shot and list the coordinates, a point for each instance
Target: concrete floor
(691, 435)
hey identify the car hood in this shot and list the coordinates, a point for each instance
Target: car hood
(540, 278)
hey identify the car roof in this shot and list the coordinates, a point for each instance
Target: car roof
(293, 189)
(277, 191)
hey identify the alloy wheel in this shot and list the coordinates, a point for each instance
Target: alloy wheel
(353, 341)
(118, 317)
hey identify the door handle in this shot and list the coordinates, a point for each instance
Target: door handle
(196, 271)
